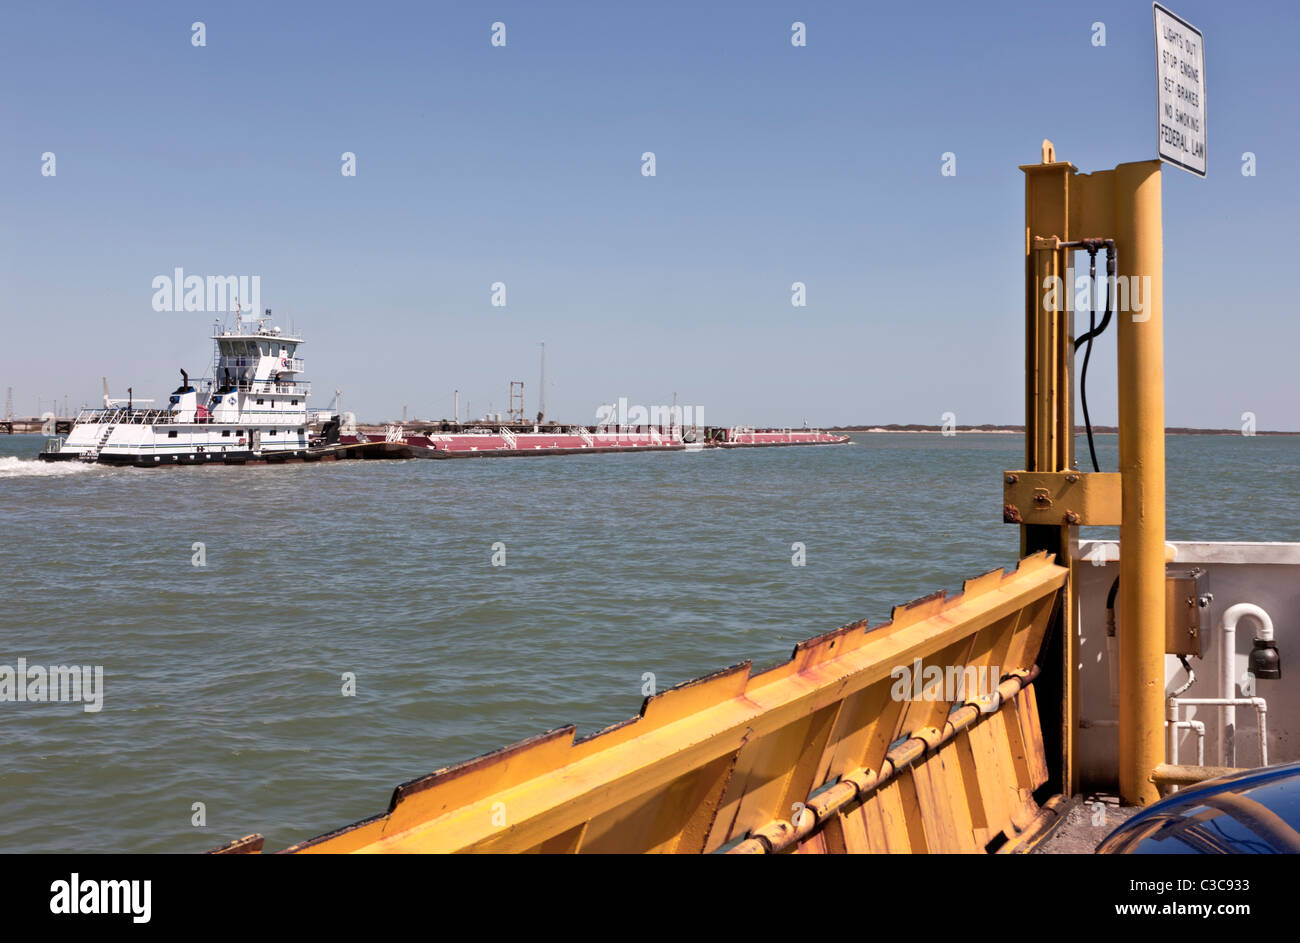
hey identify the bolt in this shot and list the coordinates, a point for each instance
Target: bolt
(1071, 478)
(1071, 517)
(1012, 479)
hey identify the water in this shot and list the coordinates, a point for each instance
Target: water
(222, 684)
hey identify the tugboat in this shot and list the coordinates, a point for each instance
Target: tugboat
(253, 410)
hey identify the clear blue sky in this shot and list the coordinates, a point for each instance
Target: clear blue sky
(522, 164)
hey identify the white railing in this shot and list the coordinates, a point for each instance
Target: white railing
(511, 441)
(114, 415)
(301, 387)
(240, 363)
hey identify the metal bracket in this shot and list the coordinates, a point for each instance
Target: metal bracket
(1061, 498)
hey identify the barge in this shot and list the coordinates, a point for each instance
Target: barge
(452, 440)
(253, 410)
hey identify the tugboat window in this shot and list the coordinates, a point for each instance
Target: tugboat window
(171, 434)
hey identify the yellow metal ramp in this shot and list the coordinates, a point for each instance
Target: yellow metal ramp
(857, 743)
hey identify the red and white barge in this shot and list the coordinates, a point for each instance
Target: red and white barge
(499, 440)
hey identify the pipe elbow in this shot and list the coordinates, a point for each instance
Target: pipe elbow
(1235, 613)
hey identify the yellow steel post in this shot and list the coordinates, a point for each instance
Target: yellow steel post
(1138, 239)
(1049, 426)
(1123, 204)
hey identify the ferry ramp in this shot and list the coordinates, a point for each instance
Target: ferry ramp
(866, 740)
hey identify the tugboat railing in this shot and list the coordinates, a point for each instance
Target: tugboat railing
(114, 415)
(301, 387)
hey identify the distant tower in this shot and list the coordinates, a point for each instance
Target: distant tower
(516, 400)
(9, 403)
(541, 396)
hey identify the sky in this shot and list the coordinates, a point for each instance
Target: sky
(522, 164)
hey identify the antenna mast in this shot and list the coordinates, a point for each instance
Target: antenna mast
(541, 401)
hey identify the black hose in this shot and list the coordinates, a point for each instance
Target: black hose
(1110, 607)
(1087, 352)
(1094, 330)
(1105, 320)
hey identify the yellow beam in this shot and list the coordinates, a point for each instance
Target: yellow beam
(1123, 204)
(1050, 210)
(1138, 240)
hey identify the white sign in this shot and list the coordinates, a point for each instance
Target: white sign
(1180, 81)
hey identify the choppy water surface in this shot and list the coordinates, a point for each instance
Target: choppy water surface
(222, 684)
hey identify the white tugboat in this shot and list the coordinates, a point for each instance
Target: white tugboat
(253, 409)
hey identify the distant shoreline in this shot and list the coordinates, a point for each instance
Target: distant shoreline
(19, 426)
(1020, 430)
(914, 428)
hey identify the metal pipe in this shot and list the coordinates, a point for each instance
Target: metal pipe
(1138, 239)
(1227, 689)
(779, 834)
(1230, 703)
(1197, 726)
(1166, 774)
(1228, 671)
